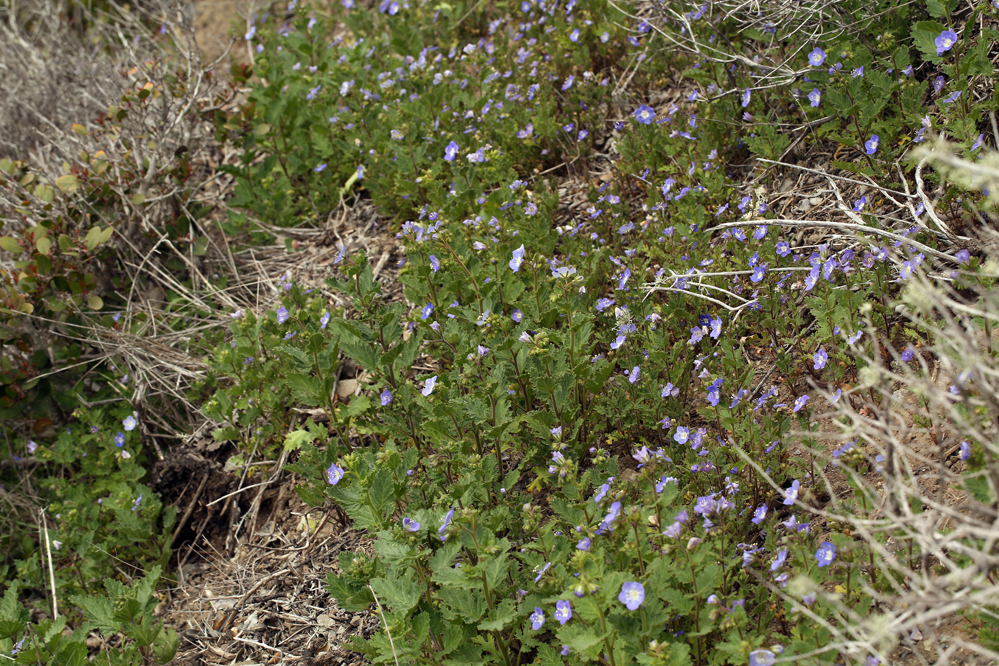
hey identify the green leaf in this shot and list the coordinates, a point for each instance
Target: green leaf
(548, 656)
(501, 616)
(923, 34)
(10, 245)
(398, 593)
(93, 238)
(305, 389)
(465, 605)
(296, 439)
(200, 246)
(94, 302)
(67, 183)
(940, 8)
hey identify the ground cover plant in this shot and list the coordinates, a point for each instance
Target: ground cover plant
(663, 419)
(488, 451)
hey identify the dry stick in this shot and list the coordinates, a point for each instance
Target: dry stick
(189, 510)
(239, 605)
(385, 624)
(48, 552)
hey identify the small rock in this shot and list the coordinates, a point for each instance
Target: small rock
(355, 621)
(325, 621)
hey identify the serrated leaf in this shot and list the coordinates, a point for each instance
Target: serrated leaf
(502, 616)
(398, 593)
(923, 35)
(296, 439)
(305, 389)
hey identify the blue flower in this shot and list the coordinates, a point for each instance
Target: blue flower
(518, 259)
(537, 618)
(600, 494)
(563, 611)
(584, 544)
(945, 41)
(791, 494)
(137, 502)
(410, 525)
(427, 309)
(386, 397)
(871, 145)
(516, 316)
(129, 423)
(334, 474)
(282, 315)
(799, 403)
(746, 96)
(762, 658)
(782, 248)
(759, 514)
(816, 57)
(435, 264)
(447, 521)
(965, 450)
(451, 151)
(682, 435)
(779, 560)
(119, 440)
(951, 97)
(320, 167)
(542, 572)
(632, 595)
(825, 554)
(859, 204)
(644, 114)
(324, 320)
(633, 375)
(815, 97)
(428, 386)
(820, 359)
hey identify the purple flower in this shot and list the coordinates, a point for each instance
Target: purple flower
(129, 423)
(324, 320)
(963, 257)
(965, 450)
(542, 572)
(451, 151)
(428, 386)
(518, 259)
(682, 435)
(633, 375)
(604, 303)
(608, 522)
(945, 41)
(820, 358)
(908, 354)
(334, 474)
(644, 114)
(435, 264)
(563, 611)
(760, 514)
(951, 97)
(816, 57)
(779, 560)
(760, 232)
(282, 315)
(762, 658)
(601, 493)
(815, 97)
(517, 316)
(791, 494)
(632, 595)
(716, 325)
(799, 403)
(746, 96)
(427, 309)
(410, 525)
(758, 273)
(537, 618)
(565, 648)
(825, 554)
(860, 72)
(584, 544)
(386, 397)
(871, 145)
(674, 530)
(447, 521)
(858, 205)
(119, 441)
(137, 502)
